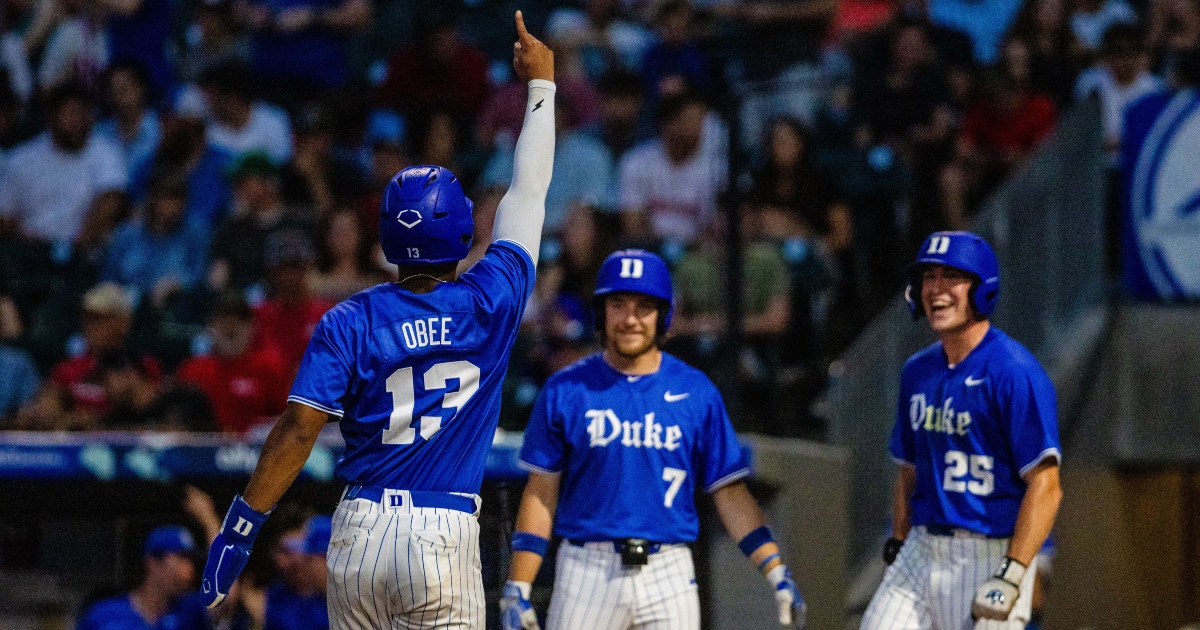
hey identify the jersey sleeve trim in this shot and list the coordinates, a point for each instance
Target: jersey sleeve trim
(520, 247)
(728, 479)
(903, 462)
(315, 405)
(524, 465)
(1043, 456)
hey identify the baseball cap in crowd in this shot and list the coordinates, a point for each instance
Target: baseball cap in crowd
(168, 539)
(315, 539)
(385, 127)
(253, 164)
(288, 247)
(108, 298)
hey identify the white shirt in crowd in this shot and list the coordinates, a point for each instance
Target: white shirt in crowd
(1115, 98)
(268, 130)
(1089, 28)
(77, 49)
(681, 199)
(49, 191)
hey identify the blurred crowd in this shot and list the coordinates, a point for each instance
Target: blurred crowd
(186, 186)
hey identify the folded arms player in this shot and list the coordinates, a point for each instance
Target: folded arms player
(413, 370)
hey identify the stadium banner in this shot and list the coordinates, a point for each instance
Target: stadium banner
(1160, 223)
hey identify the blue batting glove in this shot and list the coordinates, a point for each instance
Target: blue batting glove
(230, 550)
(516, 613)
(792, 609)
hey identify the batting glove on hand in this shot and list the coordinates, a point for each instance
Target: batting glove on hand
(516, 613)
(792, 609)
(891, 549)
(230, 550)
(995, 598)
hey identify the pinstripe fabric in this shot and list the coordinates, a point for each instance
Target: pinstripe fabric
(932, 583)
(404, 568)
(594, 591)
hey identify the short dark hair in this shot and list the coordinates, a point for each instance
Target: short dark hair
(670, 107)
(66, 93)
(230, 78)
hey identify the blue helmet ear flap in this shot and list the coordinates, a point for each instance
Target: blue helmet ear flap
(961, 250)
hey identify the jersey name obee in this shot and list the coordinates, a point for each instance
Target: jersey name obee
(941, 419)
(428, 331)
(605, 426)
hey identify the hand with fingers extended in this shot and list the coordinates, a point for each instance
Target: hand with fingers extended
(531, 58)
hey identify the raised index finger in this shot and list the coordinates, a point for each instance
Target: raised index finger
(521, 32)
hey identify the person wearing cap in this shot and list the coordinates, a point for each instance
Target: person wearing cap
(73, 397)
(169, 569)
(185, 148)
(297, 600)
(161, 252)
(258, 212)
(286, 320)
(244, 386)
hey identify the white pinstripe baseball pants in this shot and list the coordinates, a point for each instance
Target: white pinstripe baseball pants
(404, 568)
(932, 583)
(594, 591)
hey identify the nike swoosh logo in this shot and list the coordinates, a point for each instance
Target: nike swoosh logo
(972, 382)
(539, 105)
(669, 397)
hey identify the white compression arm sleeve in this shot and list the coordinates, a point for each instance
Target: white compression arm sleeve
(523, 209)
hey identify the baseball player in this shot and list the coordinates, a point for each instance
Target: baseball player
(976, 438)
(413, 371)
(617, 444)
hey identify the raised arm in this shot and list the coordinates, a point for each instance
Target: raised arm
(523, 208)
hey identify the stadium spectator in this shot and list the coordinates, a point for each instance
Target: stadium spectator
(16, 73)
(160, 252)
(318, 177)
(302, 45)
(438, 71)
(504, 111)
(64, 185)
(1173, 30)
(437, 137)
(998, 131)
(668, 187)
(1044, 29)
(258, 212)
(168, 567)
(18, 374)
(297, 600)
(284, 322)
(583, 166)
(385, 136)
(241, 123)
(244, 386)
(74, 396)
(623, 123)
(216, 40)
(134, 126)
(1091, 18)
(185, 148)
(345, 257)
(597, 38)
(77, 50)
(903, 96)
(138, 400)
(1121, 77)
(985, 24)
(790, 180)
(676, 56)
(138, 34)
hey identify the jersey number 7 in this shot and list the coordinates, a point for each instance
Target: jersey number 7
(400, 386)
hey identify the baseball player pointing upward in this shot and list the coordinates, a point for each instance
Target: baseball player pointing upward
(616, 446)
(976, 437)
(413, 371)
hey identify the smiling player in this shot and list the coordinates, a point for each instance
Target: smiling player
(616, 446)
(976, 437)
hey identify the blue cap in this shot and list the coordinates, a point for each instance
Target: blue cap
(168, 539)
(961, 250)
(634, 271)
(315, 538)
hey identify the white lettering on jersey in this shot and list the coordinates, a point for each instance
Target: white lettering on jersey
(942, 419)
(604, 426)
(431, 331)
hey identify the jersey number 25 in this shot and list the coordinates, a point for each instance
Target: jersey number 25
(400, 386)
(982, 481)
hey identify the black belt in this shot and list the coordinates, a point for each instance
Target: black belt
(946, 530)
(634, 551)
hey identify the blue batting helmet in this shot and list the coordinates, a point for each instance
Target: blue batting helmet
(425, 218)
(961, 250)
(634, 271)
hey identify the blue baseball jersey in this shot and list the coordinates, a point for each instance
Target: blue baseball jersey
(631, 449)
(118, 613)
(288, 611)
(416, 378)
(972, 430)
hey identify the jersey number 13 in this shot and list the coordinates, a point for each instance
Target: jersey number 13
(400, 386)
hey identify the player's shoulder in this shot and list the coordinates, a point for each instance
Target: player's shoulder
(927, 358)
(1009, 358)
(111, 610)
(585, 372)
(677, 369)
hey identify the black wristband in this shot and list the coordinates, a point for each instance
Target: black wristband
(891, 549)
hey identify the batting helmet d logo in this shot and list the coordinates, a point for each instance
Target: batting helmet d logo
(961, 250)
(634, 271)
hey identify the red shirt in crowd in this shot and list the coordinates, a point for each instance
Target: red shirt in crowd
(415, 83)
(76, 377)
(286, 329)
(243, 390)
(1020, 130)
